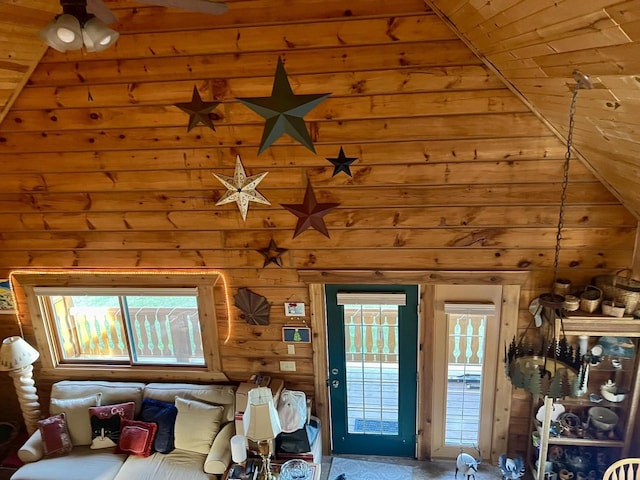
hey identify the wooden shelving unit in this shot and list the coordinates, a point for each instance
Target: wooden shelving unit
(575, 324)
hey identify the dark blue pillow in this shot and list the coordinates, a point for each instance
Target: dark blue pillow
(164, 414)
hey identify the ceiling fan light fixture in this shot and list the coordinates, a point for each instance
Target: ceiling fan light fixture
(97, 36)
(63, 33)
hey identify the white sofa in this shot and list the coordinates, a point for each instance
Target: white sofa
(84, 463)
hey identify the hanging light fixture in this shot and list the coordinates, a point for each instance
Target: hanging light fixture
(547, 365)
(76, 27)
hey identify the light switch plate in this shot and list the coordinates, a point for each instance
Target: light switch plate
(287, 366)
(291, 349)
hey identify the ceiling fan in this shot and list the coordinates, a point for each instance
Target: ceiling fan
(84, 22)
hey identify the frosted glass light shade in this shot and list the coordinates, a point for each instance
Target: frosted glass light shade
(63, 33)
(16, 353)
(97, 36)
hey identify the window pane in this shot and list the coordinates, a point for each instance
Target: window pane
(371, 333)
(165, 330)
(88, 327)
(465, 351)
(155, 330)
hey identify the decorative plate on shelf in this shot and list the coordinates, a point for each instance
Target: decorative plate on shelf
(617, 346)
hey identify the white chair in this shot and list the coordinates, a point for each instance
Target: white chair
(624, 469)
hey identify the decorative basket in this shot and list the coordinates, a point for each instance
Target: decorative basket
(612, 308)
(620, 289)
(590, 299)
(571, 303)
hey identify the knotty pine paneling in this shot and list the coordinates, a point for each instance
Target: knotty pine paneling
(454, 171)
(535, 46)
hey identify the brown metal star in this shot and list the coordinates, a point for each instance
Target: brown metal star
(272, 254)
(198, 110)
(310, 213)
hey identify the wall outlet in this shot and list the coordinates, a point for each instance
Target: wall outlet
(287, 366)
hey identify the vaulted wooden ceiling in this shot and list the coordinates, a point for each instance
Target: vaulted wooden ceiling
(533, 45)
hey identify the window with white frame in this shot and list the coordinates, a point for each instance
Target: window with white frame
(128, 321)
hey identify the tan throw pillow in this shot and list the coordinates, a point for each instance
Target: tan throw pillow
(197, 424)
(76, 411)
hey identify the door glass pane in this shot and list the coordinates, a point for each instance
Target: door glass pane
(371, 355)
(465, 353)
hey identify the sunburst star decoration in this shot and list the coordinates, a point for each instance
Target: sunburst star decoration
(241, 189)
(310, 213)
(272, 254)
(342, 163)
(284, 111)
(198, 110)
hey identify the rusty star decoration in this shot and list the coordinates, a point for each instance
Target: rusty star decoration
(241, 189)
(198, 110)
(284, 111)
(272, 254)
(310, 213)
(342, 163)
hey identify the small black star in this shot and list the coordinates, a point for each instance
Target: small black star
(198, 110)
(272, 254)
(342, 163)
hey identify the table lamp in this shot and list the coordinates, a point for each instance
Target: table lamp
(262, 425)
(17, 357)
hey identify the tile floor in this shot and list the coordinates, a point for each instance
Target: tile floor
(431, 470)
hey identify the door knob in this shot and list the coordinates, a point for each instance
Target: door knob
(335, 384)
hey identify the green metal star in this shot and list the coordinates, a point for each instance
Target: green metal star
(310, 213)
(342, 163)
(198, 110)
(272, 254)
(284, 111)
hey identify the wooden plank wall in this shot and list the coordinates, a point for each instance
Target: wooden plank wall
(453, 171)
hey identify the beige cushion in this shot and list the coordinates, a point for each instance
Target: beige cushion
(112, 392)
(77, 412)
(33, 449)
(177, 465)
(214, 394)
(219, 457)
(197, 424)
(81, 464)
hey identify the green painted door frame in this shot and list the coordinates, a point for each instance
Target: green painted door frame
(398, 388)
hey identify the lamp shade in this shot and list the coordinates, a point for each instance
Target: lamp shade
(260, 419)
(16, 353)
